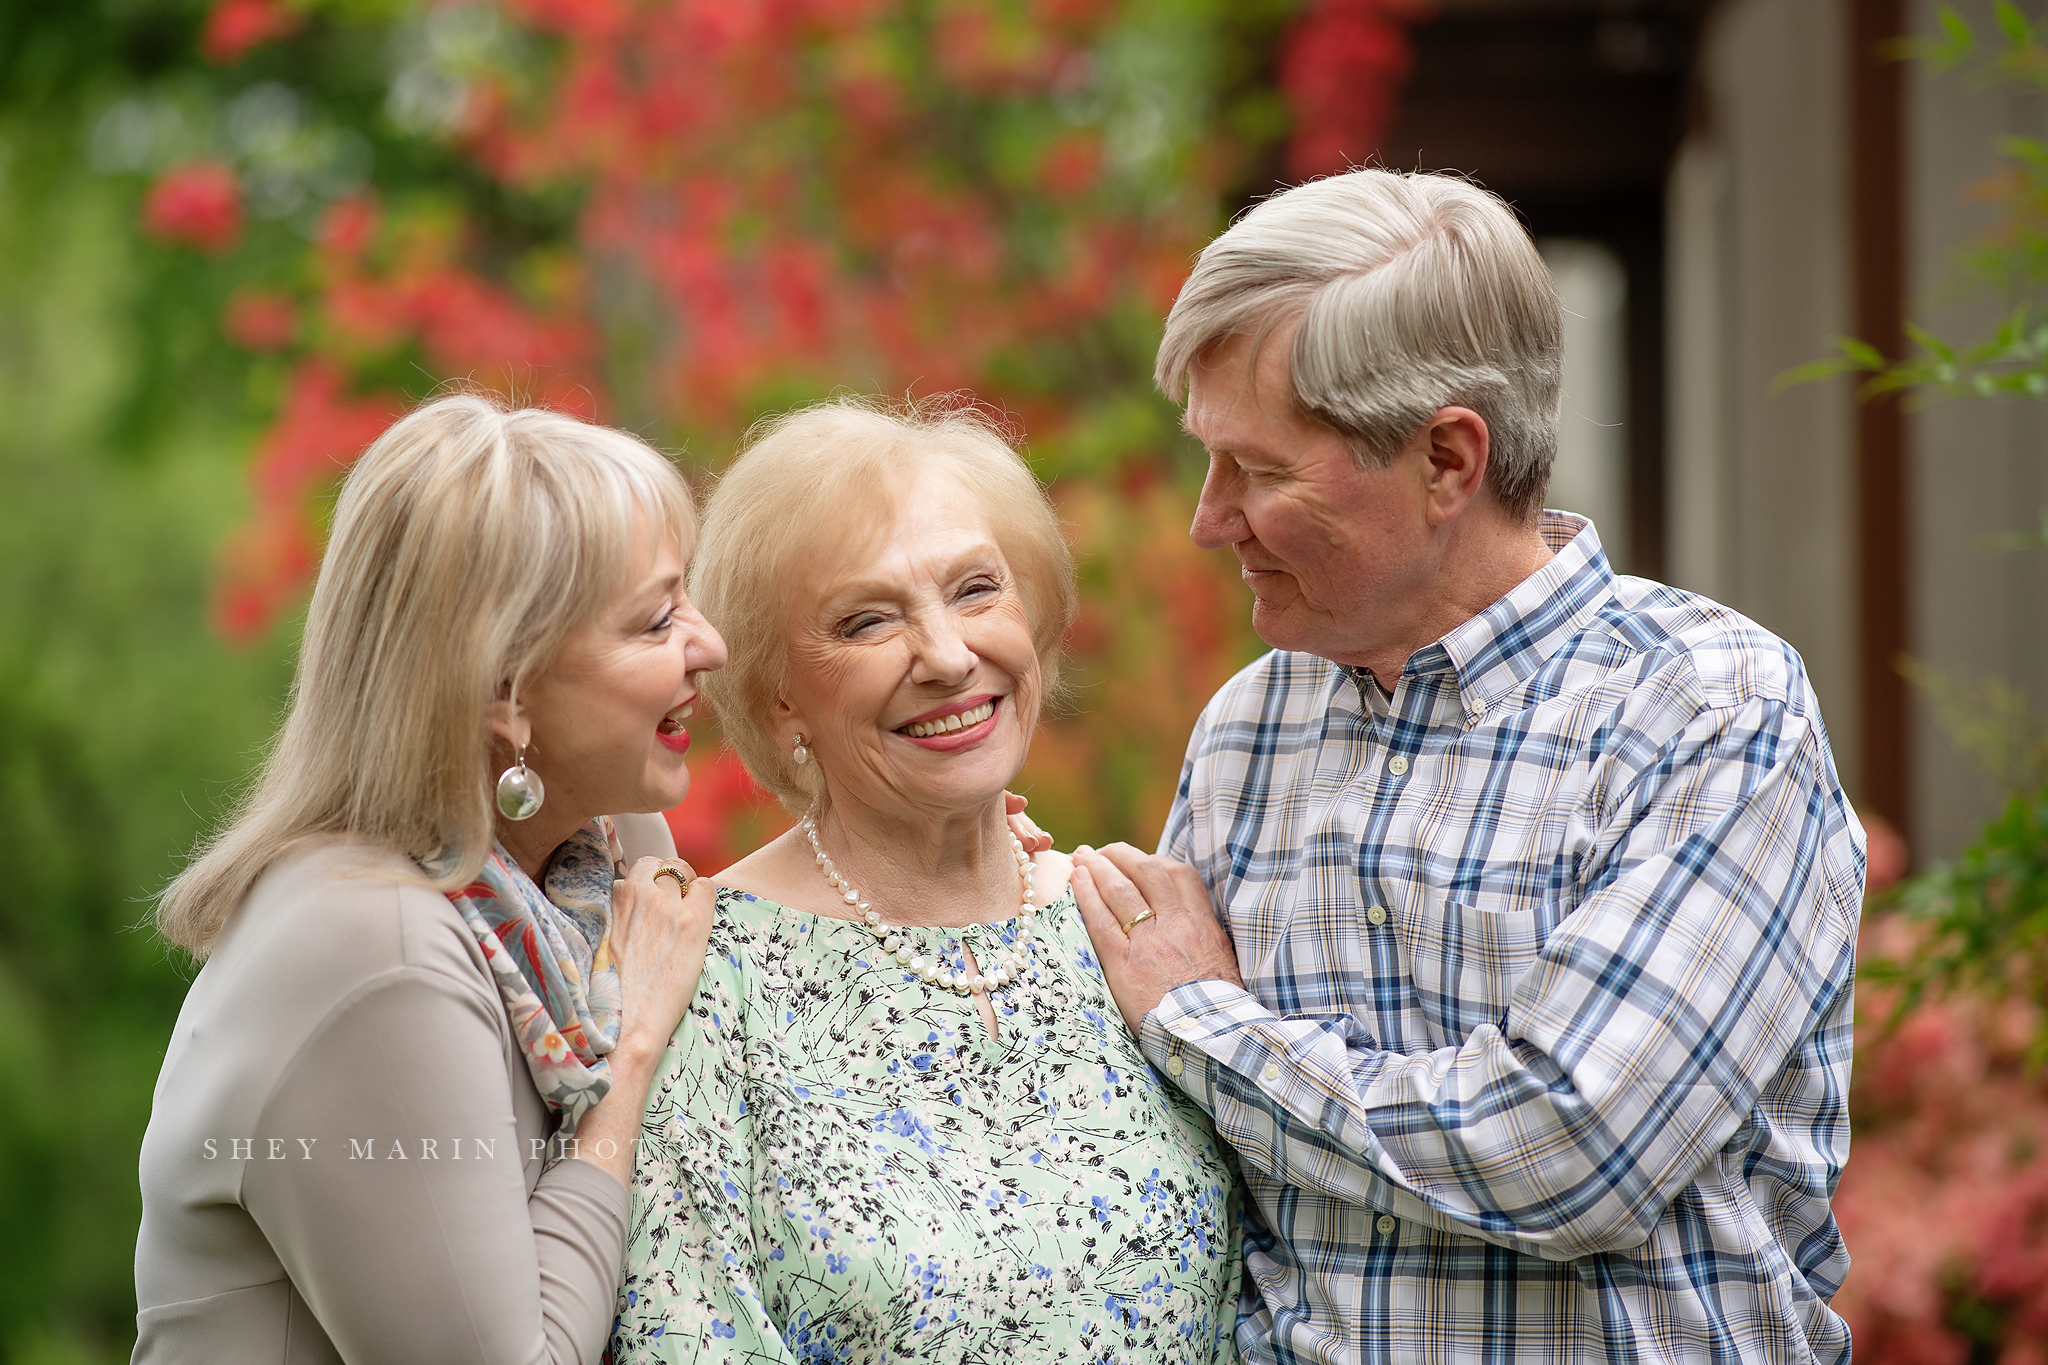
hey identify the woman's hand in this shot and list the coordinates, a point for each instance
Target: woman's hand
(1034, 839)
(1152, 925)
(658, 939)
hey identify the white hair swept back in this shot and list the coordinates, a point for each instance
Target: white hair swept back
(469, 542)
(1415, 292)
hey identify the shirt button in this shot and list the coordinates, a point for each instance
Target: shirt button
(1397, 765)
(1174, 1066)
(1377, 914)
(1386, 1225)
(1272, 1071)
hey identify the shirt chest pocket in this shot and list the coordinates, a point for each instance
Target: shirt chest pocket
(1466, 961)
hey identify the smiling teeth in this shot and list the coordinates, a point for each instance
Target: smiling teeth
(946, 725)
(673, 721)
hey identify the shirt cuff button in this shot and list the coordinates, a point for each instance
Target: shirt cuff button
(1386, 1225)
(1272, 1071)
(1174, 1065)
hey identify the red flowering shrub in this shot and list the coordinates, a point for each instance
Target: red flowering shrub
(1944, 1202)
(1342, 66)
(260, 320)
(236, 26)
(727, 815)
(775, 200)
(319, 430)
(197, 204)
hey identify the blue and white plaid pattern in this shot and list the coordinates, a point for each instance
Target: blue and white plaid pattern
(1545, 1054)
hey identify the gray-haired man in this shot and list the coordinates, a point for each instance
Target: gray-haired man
(1529, 1008)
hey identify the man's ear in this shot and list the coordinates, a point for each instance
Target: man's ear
(509, 722)
(1459, 446)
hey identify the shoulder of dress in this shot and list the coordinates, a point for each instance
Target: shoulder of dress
(364, 910)
(330, 929)
(740, 921)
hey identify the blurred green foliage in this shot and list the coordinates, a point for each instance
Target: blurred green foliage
(123, 432)
(2012, 260)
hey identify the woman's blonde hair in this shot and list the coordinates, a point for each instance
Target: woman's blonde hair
(830, 474)
(469, 542)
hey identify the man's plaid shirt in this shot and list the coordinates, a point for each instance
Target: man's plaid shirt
(1544, 1051)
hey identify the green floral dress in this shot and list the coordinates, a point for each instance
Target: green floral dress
(840, 1164)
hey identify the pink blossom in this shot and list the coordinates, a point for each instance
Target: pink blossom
(197, 204)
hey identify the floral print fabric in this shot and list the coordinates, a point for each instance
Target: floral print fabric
(840, 1164)
(550, 952)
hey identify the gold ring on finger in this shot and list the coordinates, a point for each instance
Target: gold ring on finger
(680, 875)
(1137, 920)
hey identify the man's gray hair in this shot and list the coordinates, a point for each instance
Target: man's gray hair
(1415, 292)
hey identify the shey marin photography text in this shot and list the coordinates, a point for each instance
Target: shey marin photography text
(391, 1149)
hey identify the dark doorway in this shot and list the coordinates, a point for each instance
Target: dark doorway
(1572, 110)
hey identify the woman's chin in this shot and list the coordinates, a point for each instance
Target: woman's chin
(666, 789)
(966, 793)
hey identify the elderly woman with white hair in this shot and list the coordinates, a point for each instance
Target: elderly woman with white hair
(396, 1117)
(906, 1120)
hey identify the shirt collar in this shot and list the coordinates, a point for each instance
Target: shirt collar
(1498, 649)
(1495, 651)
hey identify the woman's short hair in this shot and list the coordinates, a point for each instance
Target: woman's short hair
(828, 474)
(469, 542)
(1415, 292)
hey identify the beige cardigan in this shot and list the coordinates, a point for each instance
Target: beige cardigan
(344, 1155)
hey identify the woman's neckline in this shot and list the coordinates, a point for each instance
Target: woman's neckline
(1066, 894)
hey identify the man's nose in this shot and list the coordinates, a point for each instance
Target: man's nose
(1219, 519)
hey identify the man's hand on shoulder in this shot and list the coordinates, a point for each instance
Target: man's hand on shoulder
(1152, 926)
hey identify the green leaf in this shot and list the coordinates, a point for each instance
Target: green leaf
(2019, 34)
(1809, 373)
(1893, 380)
(1957, 41)
(1931, 343)
(1853, 356)
(2028, 149)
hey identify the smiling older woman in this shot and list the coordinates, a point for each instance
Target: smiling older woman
(423, 988)
(907, 1121)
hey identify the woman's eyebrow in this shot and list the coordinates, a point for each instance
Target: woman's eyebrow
(865, 589)
(655, 589)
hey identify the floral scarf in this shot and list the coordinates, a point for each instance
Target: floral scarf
(549, 949)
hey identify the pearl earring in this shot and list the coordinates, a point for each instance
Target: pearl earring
(800, 753)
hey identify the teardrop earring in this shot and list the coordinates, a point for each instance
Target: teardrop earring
(520, 793)
(800, 753)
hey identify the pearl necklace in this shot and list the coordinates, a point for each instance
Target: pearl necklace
(1011, 967)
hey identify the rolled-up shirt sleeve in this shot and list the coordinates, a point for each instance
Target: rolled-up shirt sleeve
(1714, 936)
(390, 1179)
